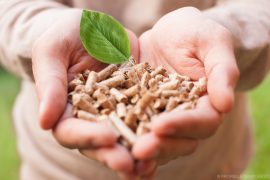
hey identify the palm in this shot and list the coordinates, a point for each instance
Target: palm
(173, 58)
(77, 59)
(175, 43)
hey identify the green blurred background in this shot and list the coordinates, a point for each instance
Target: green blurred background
(9, 160)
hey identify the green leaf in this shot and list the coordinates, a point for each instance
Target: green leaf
(104, 38)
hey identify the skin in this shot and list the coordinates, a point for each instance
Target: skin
(57, 56)
(186, 42)
(183, 41)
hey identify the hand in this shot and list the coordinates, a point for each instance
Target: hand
(186, 42)
(57, 56)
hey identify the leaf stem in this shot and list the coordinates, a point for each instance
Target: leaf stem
(131, 60)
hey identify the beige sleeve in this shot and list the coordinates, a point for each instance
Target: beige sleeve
(21, 23)
(249, 21)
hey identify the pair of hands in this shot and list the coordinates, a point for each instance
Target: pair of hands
(183, 41)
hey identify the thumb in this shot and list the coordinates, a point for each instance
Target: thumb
(50, 73)
(222, 73)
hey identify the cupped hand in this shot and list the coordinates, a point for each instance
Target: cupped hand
(57, 56)
(187, 42)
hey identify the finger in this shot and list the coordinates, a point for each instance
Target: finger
(83, 63)
(222, 73)
(76, 133)
(146, 49)
(50, 74)
(128, 176)
(146, 168)
(149, 176)
(151, 146)
(116, 157)
(134, 45)
(200, 122)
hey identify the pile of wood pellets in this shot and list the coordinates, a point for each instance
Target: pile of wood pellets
(127, 96)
